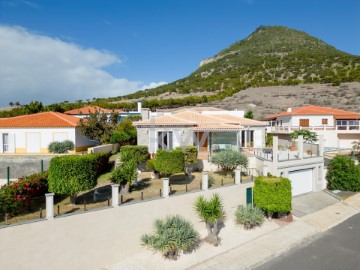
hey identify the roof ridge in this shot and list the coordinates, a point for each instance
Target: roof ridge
(61, 116)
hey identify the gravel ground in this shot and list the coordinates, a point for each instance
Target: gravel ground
(231, 236)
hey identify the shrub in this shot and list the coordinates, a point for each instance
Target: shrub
(137, 153)
(228, 160)
(150, 164)
(72, 174)
(249, 216)
(125, 173)
(308, 136)
(61, 147)
(273, 194)
(17, 195)
(172, 235)
(343, 174)
(169, 162)
(190, 155)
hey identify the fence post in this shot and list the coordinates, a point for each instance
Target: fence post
(49, 205)
(165, 193)
(8, 174)
(42, 165)
(115, 195)
(205, 181)
(237, 176)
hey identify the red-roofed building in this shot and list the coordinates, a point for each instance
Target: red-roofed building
(339, 128)
(85, 111)
(33, 133)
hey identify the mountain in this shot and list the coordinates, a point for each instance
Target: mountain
(270, 56)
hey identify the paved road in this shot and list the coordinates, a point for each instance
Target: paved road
(338, 248)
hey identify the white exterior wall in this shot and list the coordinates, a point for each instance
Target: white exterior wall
(314, 120)
(18, 137)
(259, 138)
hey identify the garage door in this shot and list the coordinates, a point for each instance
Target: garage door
(33, 142)
(301, 181)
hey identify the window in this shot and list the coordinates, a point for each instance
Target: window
(165, 140)
(324, 121)
(304, 122)
(5, 138)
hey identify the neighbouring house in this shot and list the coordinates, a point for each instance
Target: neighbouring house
(304, 166)
(211, 131)
(32, 134)
(85, 111)
(339, 128)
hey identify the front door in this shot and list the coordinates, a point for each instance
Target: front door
(202, 138)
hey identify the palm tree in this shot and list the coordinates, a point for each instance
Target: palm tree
(11, 103)
(211, 212)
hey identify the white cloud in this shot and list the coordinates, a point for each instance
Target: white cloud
(37, 67)
(153, 85)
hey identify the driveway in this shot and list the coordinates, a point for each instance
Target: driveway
(311, 202)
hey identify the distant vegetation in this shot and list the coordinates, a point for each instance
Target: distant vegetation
(270, 56)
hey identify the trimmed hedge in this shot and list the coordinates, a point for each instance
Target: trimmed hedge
(343, 174)
(72, 174)
(190, 155)
(102, 162)
(137, 153)
(273, 194)
(169, 162)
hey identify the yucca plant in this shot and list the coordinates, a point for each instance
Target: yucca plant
(249, 216)
(211, 212)
(172, 235)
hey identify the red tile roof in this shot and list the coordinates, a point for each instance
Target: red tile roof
(44, 119)
(317, 110)
(90, 109)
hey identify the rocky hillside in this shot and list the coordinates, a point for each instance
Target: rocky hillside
(270, 56)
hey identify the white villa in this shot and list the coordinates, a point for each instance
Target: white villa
(339, 128)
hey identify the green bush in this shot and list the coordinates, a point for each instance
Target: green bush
(137, 153)
(169, 162)
(151, 163)
(249, 216)
(273, 194)
(343, 174)
(61, 147)
(172, 235)
(72, 174)
(125, 173)
(228, 160)
(17, 195)
(190, 155)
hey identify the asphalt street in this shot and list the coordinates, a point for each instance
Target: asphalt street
(338, 248)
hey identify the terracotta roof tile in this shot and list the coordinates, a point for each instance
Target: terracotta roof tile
(91, 109)
(44, 119)
(317, 110)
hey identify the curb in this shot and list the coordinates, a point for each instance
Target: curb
(333, 195)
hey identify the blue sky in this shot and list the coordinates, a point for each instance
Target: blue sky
(78, 49)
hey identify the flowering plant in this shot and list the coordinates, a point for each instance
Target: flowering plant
(15, 196)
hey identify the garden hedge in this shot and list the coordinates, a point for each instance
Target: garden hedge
(169, 162)
(273, 194)
(138, 153)
(343, 174)
(72, 174)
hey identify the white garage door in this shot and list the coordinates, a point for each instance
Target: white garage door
(301, 181)
(33, 142)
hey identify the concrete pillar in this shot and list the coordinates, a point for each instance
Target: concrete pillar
(245, 141)
(301, 146)
(265, 170)
(115, 195)
(205, 181)
(275, 149)
(165, 191)
(49, 205)
(321, 145)
(237, 176)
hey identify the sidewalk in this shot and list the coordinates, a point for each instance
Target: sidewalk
(266, 247)
(247, 249)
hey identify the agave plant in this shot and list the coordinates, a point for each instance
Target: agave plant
(211, 212)
(249, 216)
(172, 235)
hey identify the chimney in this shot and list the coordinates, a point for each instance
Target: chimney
(139, 106)
(289, 109)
